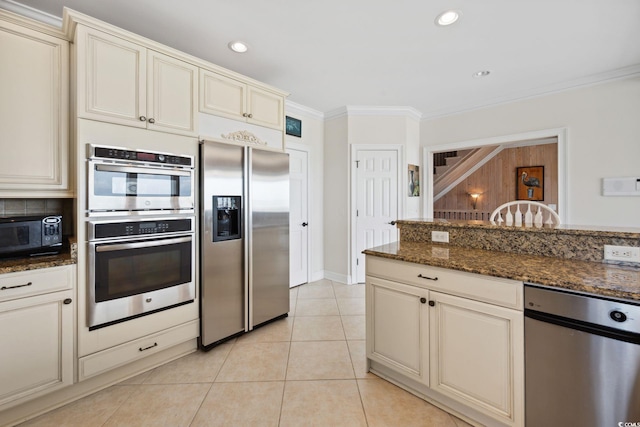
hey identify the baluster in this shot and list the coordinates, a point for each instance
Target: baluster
(518, 216)
(538, 219)
(528, 217)
(509, 216)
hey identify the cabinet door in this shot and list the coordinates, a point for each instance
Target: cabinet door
(477, 355)
(111, 78)
(397, 327)
(36, 339)
(265, 108)
(172, 90)
(222, 96)
(34, 85)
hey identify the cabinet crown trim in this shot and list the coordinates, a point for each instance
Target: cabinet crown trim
(72, 18)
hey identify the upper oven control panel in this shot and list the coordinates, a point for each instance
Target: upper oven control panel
(118, 153)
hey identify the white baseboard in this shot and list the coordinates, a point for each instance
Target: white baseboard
(337, 277)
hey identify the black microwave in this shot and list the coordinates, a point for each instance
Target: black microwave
(30, 235)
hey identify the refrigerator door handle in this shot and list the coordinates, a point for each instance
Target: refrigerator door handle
(248, 241)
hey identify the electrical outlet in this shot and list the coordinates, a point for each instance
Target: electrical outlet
(440, 236)
(621, 253)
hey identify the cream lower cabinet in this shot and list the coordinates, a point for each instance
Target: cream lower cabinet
(475, 355)
(227, 97)
(456, 338)
(398, 327)
(34, 104)
(36, 337)
(120, 81)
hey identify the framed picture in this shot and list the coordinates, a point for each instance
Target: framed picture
(293, 127)
(414, 181)
(530, 183)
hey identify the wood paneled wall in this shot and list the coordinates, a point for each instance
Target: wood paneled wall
(496, 180)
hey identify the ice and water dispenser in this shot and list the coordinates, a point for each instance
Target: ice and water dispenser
(227, 218)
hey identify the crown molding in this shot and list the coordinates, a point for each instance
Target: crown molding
(356, 110)
(583, 82)
(30, 12)
(294, 108)
(31, 18)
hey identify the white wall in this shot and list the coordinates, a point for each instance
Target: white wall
(360, 125)
(336, 202)
(313, 139)
(603, 125)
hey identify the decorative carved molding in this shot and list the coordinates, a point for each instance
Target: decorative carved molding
(244, 136)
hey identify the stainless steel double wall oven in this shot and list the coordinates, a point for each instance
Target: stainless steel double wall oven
(140, 232)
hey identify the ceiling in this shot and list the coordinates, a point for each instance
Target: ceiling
(335, 53)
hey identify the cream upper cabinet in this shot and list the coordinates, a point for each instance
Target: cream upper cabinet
(37, 333)
(398, 327)
(121, 82)
(227, 97)
(34, 103)
(476, 355)
(172, 92)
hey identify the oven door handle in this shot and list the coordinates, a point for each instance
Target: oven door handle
(145, 171)
(143, 244)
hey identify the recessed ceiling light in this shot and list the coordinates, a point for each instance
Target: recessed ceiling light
(238, 46)
(447, 17)
(483, 73)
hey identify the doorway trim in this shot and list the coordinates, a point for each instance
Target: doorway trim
(352, 276)
(302, 147)
(563, 170)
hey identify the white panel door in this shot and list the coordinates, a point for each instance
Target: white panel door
(376, 201)
(298, 217)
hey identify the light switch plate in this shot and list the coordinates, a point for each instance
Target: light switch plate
(440, 236)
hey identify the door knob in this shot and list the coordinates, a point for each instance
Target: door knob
(304, 224)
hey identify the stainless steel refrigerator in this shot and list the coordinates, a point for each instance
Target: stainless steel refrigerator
(244, 242)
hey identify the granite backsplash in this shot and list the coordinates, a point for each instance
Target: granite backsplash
(569, 242)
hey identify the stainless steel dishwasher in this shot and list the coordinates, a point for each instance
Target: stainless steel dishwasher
(582, 359)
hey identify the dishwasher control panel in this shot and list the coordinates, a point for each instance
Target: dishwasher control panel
(621, 315)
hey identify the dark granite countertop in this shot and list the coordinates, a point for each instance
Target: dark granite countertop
(35, 263)
(624, 232)
(584, 276)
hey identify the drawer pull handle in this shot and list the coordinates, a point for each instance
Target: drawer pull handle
(4, 288)
(427, 277)
(67, 301)
(155, 344)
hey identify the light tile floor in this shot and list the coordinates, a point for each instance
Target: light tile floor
(305, 370)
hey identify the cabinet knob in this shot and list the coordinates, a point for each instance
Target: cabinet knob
(67, 301)
(304, 224)
(432, 303)
(250, 115)
(152, 120)
(143, 118)
(423, 300)
(245, 115)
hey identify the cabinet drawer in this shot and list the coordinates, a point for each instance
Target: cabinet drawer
(111, 358)
(35, 282)
(494, 290)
